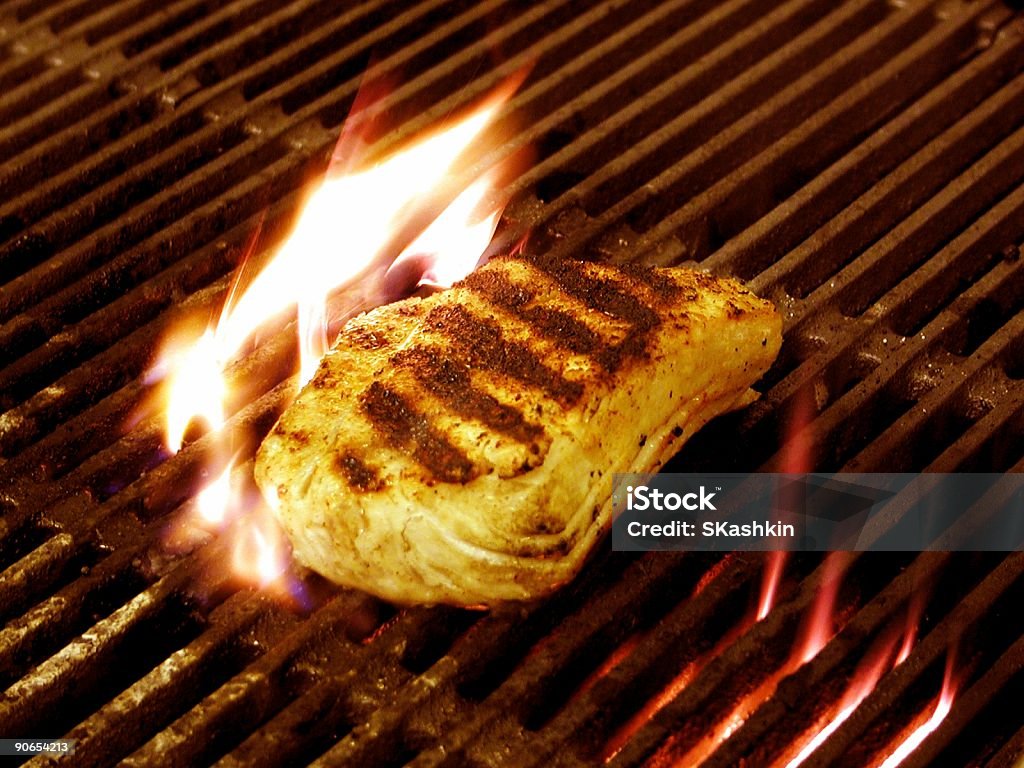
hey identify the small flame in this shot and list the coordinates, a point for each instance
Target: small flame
(775, 565)
(819, 628)
(195, 386)
(817, 632)
(213, 501)
(922, 732)
(260, 553)
(880, 659)
(909, 638)
(915, 610)
(797, 454)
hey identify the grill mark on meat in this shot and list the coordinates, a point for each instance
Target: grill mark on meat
(359, 475)
(564, 329)
(605, 296)
(451, 384)
(596, 293)
(561, 327)
(495, 286)
(407, 430)
(664, 287)
(478, 342)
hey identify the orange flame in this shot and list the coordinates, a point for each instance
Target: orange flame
(346, 226)
(818, 630)
(350, 229)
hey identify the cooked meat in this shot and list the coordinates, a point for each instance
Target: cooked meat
(460, 448)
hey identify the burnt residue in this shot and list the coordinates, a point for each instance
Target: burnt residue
(478, 342)
(450, 382)
(409, 431)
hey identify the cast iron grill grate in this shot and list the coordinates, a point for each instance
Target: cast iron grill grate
(860, 163)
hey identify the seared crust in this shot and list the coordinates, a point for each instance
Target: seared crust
(455, 448)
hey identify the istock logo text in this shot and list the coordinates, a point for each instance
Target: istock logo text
(641, 497)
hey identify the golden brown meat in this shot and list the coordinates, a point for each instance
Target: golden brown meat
(460, 448)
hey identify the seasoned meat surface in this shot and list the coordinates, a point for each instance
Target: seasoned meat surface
(460, 448)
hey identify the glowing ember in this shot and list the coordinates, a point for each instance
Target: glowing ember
(922, 732)
(728, 725)
(613, 660)
(417, 205)
(624, 733)
(822, 735)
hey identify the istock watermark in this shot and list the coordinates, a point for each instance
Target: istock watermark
(819, 512)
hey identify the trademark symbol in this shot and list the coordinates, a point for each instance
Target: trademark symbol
(718, 487)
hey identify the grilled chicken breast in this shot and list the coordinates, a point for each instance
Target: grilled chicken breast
(460, 448)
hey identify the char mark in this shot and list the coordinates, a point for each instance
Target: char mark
(665, 288)
(560, 327)
(359, 475)
(450, 382)
(478, 342)
(596, 293)
(407, 430)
